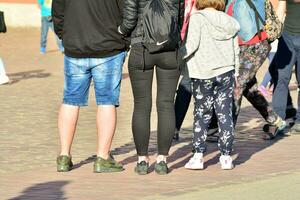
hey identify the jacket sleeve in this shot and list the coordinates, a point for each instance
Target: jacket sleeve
(193, 38)
(58, 8)
(236, 55)
(130, 17)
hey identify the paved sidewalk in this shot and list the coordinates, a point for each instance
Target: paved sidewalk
(29, 143)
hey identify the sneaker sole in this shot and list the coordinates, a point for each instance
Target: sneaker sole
(194, 168)
(63, 169)
(141, 173)
(161, 173)
(108, 170)
(227, 168)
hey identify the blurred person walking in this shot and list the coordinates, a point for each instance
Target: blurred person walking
(46, 23)
(291, 37)
(3, 77)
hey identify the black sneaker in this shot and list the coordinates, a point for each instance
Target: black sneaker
(142, 168)
(161, 168)
(290, 113)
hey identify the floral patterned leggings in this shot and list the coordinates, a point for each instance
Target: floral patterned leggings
(251, 59)
(213, 94)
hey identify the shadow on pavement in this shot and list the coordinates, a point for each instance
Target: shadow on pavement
(247, 143)
(46, 191)
(16, 77)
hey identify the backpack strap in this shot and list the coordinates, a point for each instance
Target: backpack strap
(257, 17)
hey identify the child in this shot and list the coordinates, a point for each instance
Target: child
(212, 55)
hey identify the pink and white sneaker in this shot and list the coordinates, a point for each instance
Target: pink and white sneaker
(226, 162)
(195, 162)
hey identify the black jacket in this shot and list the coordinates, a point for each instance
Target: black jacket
(132, 17)
(89, 28)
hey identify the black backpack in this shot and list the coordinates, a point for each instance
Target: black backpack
(161, 27)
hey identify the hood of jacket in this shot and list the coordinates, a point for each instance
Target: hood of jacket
(219, 24)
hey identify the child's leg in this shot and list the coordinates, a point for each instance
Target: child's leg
(203, 94)
(223, 100)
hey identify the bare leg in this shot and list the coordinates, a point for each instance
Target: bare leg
(106, 125)
(67, 121)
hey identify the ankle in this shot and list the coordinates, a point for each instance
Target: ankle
(198, 155)
(160, 158)
(143, 158)
(65, 153)
(104, 156)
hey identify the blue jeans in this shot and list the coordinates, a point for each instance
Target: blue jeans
(46, 24)
(106, 74)
(286, 61)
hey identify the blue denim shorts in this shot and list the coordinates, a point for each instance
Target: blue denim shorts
(106, 74)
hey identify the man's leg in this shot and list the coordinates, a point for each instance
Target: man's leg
(106, 125)
(107, 76)
(67, 121)
(76, 87)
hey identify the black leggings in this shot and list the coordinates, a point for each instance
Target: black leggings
(141, 66)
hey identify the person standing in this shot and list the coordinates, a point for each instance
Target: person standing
(141, 65)
(94, 50)
(291, 37)
(184, 90)
(46, 23)
(212, 54)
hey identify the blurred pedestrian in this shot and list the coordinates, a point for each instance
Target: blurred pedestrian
(3, 77)
(291, 38)
(46, 23)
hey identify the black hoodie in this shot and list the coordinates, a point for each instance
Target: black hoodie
(89, 28)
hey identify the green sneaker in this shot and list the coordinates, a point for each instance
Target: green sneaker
(64, 163)
(142, 168)
(106, 166)
(161, 168)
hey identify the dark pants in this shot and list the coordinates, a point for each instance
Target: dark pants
(213, 95)
(141, 68)
(183, 99)
(288, 54)
(182, 102)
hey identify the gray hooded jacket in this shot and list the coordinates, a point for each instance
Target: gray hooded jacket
(211, 48)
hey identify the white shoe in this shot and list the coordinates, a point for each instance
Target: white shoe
(4, 79)
(226, 162)
(195, 162)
